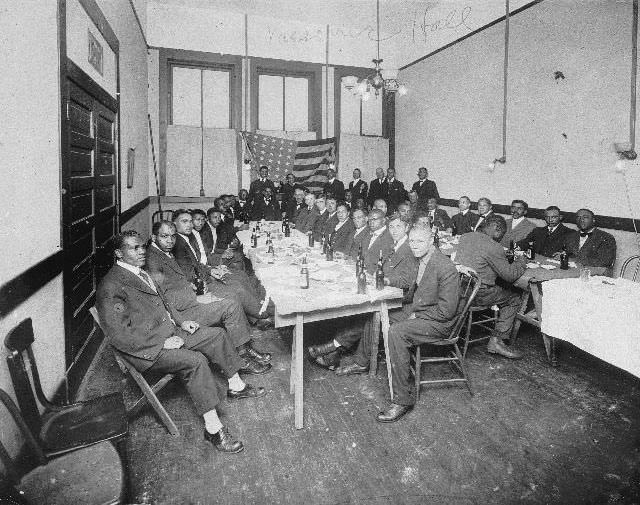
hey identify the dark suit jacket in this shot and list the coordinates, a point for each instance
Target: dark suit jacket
(207, 238)
(134, 317)
(256, 187)
(242, 211)
(371, 250)
(293, 209)
(318, 227)
(546, 244)
(442, 219)
(361, 239)
(288, 191)
(464, 223)
(329, 225)
(377, 190)
(401, 268)
(188, 261)
(306, 219)
(598, 251)
(263, 210)
(481, 219)
(342, 238)
(426, 191)
(436, 297)
(336, 189)
(396, 194)
(170, 278)
(358, 190)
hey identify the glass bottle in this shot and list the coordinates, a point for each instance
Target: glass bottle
(531, 251)
(304, 274)
(564, 258)
(199, 283)
(254, 238)
(359, 259)
(379, 274)
(361, 277)
(329, 248)
(436, 237)
(310, 233)
(511, 254)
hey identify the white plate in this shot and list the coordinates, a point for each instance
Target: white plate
(533, 265)
(549, 267)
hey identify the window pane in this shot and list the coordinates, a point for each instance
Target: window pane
(186, 96)
(215, 90)
(349, 112)
(296, 104)
(270, 95)
(372, 116)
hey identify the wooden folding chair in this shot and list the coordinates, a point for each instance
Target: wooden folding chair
(149, 392)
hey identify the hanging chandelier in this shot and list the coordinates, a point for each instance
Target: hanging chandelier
(385, 80)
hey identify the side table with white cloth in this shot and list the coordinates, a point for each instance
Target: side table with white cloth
(331, 294)
(600, 316)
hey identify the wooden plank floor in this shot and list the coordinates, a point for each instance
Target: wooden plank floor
(531, 434)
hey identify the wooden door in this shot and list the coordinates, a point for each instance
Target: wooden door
(90, 212)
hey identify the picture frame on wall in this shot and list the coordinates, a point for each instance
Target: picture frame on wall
(95, 53)
(131, 166)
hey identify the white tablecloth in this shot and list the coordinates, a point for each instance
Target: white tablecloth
(601, 317)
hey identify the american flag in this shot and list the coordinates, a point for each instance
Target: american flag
(307, 159)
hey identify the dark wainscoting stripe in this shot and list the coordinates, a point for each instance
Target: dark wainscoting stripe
(25, 285)
(131, 212)
(610, 222)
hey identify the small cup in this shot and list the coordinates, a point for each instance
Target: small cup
(585, 274)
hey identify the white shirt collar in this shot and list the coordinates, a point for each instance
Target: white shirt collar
(153, 244)
(131, 268)
(322, 211)
(552, 229)
(333, 214)
(391, 180)
(340, 225)
(516, 222)
(464, 212)
(400, 242)
(358, 230)
(331, 180)
(377, 233)
(356, 180)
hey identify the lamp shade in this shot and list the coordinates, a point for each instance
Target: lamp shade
(389, 73)
(350, 81)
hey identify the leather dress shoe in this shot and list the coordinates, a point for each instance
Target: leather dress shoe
(322, 349)
(249, 352)
(223, 441)
(252, 367)
(495, 346)
(249, 391)
(330, 361)
(351, 369)
(264, 324)
(393, 413)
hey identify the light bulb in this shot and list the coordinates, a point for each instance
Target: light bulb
(402, 90)
(491, 166)
(365, 96)
(621, 165)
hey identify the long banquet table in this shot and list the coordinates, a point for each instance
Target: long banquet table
(331, 294)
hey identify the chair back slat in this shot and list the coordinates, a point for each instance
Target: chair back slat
(24, 391)
(632, 264)
(161, 215)
(121, 363)
(21, 337)
(469, 287)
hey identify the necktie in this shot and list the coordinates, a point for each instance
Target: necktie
(585, 233)
(479, 223)
(549, 231)
(421, 269)
(145, 277)
(194, 245)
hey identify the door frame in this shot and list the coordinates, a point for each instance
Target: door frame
(76, 367)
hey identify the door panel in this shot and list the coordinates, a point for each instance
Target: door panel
(89, 212)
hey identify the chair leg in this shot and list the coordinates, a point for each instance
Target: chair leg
(121, 447)
(155, 403)
(463, 368)
(468, 334)
(418, 368)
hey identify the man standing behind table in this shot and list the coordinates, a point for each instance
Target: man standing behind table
(465, 221)
(241, 208)
(308, 215)
(152, 336)
(289, 190)
(361, 234)
(179, 292)
(482, 252)
(333, 187)
(263, 181)
(358, 187)
(400, 269)
(549, 239)
(380, 240)
(439, 217)
(378, 188)
(429, 318)
(518, 227)
(592, 247)
(342, 233)
(485, 209)
(395, 191)
(266, 208)
(425, 188)
(295, 205)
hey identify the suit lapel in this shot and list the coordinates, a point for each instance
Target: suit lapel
(132, 280)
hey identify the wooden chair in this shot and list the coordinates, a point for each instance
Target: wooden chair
(469, 286)
(161, 215)
(90, 475)
(149, 393)
(629, 262)
(485, 320)
(61, 428)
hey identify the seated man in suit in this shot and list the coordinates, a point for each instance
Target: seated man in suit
(361, 234)
(482, 252)
(266, 208)
(592, 247)
(152, 336)
(380, 240)
(548, 240)
(220, 280)
(358, 187)
(429, 318)
(485, 209)
(332, 216)
(395, 191)
(295, 205)
(404, 209)
(221, 244)
(412, 198)
(241, 209)
(439, 217)
(308, 215)
(288, 190)
(323, 215)
(518, 227)
(333, 187)
(381, 205)
(256, 187)
(400, 269)
(179, 292)
(348, 199)
(465, 221)
(425, 188)
(342, 233)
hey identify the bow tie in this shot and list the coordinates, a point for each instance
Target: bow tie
(585, 233)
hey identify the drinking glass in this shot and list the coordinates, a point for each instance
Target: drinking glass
(585, 274)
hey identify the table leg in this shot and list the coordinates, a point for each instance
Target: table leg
(373, 349)
(299, 355)
(384, 316)
(526, 295)
(292, 376)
